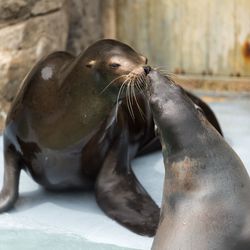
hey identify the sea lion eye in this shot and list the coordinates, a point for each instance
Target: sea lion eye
(114, 65)
(90, 64)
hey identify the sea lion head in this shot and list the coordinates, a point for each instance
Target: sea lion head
(113, 64)
(174, 113)
(167, 97)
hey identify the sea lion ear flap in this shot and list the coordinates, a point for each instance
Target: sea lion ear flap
(198, 108)
(144, 59)
(90, 64)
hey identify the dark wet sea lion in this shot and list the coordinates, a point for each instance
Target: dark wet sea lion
(71, 127)
(206, 202)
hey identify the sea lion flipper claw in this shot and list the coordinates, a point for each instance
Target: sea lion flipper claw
(9, 192)
(122, 197)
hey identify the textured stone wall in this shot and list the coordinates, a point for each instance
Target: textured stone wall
(31, 29)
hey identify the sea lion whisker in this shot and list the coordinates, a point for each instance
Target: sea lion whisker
(139, 85)
(163, 70)
(141, 82)
(137, 104)
(170, 79)
(146, 82)
(122, 87)
(112, 82)
(130, 100)
(127, 99)
(167, 73)
(171, 74)
(117, 100)
(160, 67)
(157, 68)
(126, 80)
(132, 74)
(129, 75)
(131, 97)
(141, 79)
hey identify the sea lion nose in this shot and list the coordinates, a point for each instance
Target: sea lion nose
(147, 69)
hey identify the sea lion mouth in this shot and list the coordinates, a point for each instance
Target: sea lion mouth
(130, 83)
(147, 69)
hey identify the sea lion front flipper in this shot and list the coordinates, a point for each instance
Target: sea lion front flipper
(121, 196)
(9, 193)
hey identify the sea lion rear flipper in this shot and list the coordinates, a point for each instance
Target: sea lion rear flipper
(9, 193)
(122, 197)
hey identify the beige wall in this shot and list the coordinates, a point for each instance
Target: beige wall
(195, 36)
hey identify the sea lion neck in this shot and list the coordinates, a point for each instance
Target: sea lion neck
(182, 127)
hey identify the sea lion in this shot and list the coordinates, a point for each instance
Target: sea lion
(206, 202)
(72, 127)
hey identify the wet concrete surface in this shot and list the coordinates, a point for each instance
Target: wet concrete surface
(77, 216)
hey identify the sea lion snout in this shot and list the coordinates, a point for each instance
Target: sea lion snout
(147, 69)
(155, 78)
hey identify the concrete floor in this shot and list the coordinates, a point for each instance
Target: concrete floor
(44, 220)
